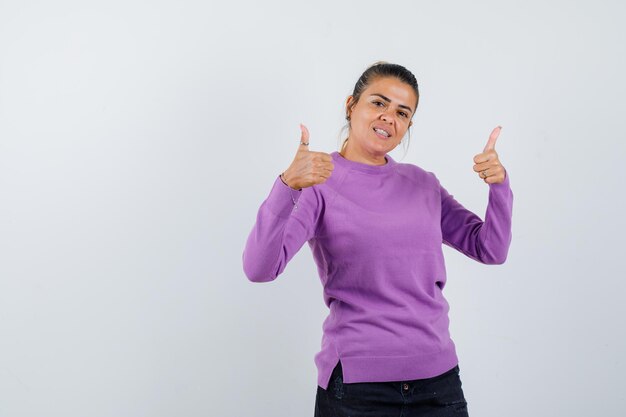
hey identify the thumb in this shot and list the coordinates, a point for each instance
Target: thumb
(491, 143)
(304, 138)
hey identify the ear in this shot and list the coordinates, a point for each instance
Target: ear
(410, 123)
(349, 101)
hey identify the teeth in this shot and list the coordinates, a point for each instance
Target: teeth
(382, 132)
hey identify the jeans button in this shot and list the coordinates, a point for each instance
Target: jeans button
(405, 387)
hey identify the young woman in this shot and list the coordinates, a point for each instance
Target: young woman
(376, 228)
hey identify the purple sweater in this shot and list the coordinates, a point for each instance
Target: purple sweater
(376, 235)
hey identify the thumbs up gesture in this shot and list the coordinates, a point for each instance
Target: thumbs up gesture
(487, 163)
(308, 168)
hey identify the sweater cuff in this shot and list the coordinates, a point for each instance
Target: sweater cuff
(502, 185)
(282, 198)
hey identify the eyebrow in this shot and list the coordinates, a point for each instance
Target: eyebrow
(389, 101)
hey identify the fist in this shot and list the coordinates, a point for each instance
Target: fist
(308, 168)
(487, 163)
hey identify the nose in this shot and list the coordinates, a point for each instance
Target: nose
(386, 116)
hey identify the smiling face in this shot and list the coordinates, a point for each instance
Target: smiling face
(379, 120)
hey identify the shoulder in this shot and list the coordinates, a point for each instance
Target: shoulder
(417, 174)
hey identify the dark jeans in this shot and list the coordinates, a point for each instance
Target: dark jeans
(439, 396)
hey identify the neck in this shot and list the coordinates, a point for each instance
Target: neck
(347, 153)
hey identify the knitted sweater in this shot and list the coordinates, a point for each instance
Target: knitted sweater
(376, 234)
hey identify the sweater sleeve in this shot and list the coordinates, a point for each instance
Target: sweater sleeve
(280, 230)
(484, 241)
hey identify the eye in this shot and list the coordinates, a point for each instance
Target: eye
(403, 114)
(376, 103)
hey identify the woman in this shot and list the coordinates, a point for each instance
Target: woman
(376, 228)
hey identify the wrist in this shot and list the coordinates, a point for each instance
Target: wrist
(284, 180)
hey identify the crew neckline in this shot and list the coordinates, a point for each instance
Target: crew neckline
(362, 167)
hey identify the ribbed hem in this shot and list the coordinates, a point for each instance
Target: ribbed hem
(391, 368)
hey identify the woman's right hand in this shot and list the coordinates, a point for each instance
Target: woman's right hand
(308, 168)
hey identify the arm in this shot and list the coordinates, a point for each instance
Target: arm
(280, 231)
(486, 242)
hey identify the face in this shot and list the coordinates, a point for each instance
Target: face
(386, 105)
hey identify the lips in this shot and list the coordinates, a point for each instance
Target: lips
(380, 134)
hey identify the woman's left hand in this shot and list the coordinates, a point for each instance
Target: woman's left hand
(487, 163)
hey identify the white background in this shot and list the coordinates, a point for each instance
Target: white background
(139, 138)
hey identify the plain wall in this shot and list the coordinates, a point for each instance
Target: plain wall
(139, 138)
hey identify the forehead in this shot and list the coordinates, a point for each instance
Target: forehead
(396, 90)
